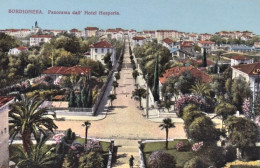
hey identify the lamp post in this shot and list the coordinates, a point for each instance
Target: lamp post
(147, 96)
(86, 125)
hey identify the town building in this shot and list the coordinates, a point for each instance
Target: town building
(208, 45)
(17, 33)
(240, 48)
(188, 47)
(138, 40)
(100, 49)
(168, 43)
(240, 59)
(53, 32)
(18, 50)
(193, 37)
(257, 46)
(149, 34)
(36, 40)
(57, 72)
(77, 33)
(251, 73)
(91, 31)
(4, 131)
(205, 36)
(162, 34)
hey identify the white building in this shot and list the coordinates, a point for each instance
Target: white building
(77, 33)
(240, 59)
(251, 73)
(91, 31)
(18, 50)
(36, 40)
(100, 49)
(209, 45)
(4, 131)
(138, 40)
(168, 43)
(18, 33)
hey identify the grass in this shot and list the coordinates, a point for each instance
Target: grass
(180, 156)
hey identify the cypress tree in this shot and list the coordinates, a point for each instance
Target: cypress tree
(72, 99)
(84, 97)
(156, 81)
(89, 100)
(204, 59)
(78, 100)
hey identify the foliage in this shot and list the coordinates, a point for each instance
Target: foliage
(204, 59)
(201, 89)
(72, 98)
(26, 117)
(242, 164)
(90, 160)
(185, 100)
(167, 124)
(138, 94)
(241, 132)
(41, 156)
(155, 88)
(197, 146)
(97, 68)
(160, 159)
(135, 74)
(195, 163)
(225, 109)
(185, 80)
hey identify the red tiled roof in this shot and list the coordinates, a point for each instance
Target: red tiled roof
(101, 44)
(206, 42)
(240, 57)
(22, 48)
(4, 100)
(250, 69)
(42, 36)
(91, 28)
(167, 40)
(112, 30)
(177, 71)
(138, 38)
(148, 31)
(25, 30)
(77, 70)
(187, 44)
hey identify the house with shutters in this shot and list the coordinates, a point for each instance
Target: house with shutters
(4, 130)
(240, 59)
(138, 40)
(99, 49)
(168, 43)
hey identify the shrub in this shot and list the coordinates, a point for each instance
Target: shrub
(241, 164)
(160, 159)
(195, 163)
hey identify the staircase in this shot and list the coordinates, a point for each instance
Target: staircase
(126, 148)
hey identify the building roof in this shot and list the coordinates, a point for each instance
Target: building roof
(60, 70)
(241, 47)
(4, 100)
(138, 38)
(177, 71)
(250, 69)
(173, 50)
(41, 36)
(206, 42)
(167, 41)
(187, 44)
(91, 28)
(240, 57)
(101, 44)
(22, 48)
(148, 31)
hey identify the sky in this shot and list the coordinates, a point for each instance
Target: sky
(198, 16)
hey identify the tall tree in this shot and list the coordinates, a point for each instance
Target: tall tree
(204, 59)
(138, 94)
(167, 124)
(72, 98)
(156, 81)
(84, 96)
(27, 117)
(225, 109)
(90, 98)
(41, 156)
(78, 100)
(135, 74)
(242, 133)
(112, 97)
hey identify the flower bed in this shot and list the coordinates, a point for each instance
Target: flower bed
(241, 164)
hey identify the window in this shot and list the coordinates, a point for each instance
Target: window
(102, 50)
(108, 50)
(96, 50)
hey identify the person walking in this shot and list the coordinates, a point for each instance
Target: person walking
(131, 161)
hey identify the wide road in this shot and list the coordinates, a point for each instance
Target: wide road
(125, 120)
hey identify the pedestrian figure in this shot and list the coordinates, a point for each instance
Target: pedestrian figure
(131, 161)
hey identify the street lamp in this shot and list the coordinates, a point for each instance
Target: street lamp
(87, 125)
(147, 96)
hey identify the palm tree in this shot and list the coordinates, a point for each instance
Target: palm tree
(138, 94)
(135, 74)
(112, 97)
(167, 124)
(115, 85)
(41, 156)
(201, 89)
(87, 125)
(27, 117)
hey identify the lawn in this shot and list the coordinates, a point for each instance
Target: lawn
(180, 156)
